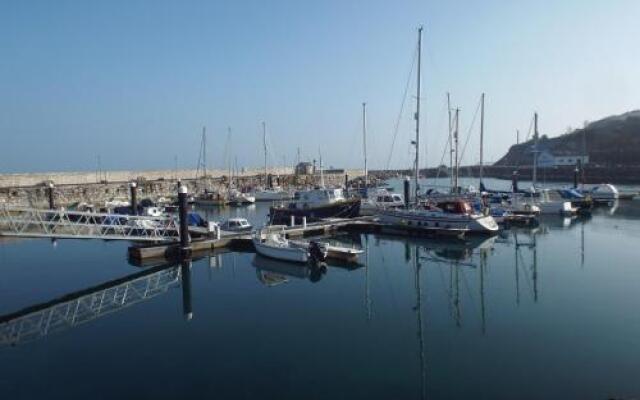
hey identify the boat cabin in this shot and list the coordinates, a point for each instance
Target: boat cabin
(455, 207)
(390, 198)
(236, 224)
(316, 198)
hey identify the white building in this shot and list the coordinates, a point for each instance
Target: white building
(546, 159)
(570, 160)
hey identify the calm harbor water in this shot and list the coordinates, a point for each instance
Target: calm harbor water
(549, 312)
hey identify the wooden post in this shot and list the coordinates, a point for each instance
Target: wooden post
(134, 198)
(50, 196)
(406, 192)
(185, 240)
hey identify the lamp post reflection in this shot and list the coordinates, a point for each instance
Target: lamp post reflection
(185, 272)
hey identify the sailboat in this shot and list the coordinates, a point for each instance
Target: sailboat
(503, 211)
(207, 197)
(454, 214)
(273, 193)
(374, 198)
(547, 201)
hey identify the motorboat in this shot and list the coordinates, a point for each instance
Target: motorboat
(518, 205)
(452, 214)
(510, 206)
(315, 204)
(153, 211)
(380, 200)
(276, 245)
(578, 199)
(210, 199)
(327, 250)
(605, 193)
(550, 202)
(239, 198)
(271, 194)
(236, 225)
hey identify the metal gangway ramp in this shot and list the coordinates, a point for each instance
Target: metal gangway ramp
(31, 222)
(71, 310)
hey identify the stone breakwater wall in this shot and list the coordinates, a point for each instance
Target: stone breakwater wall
(69, 188)
(87, 178)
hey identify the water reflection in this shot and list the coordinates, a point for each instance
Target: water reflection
(79, 307)
(273, 272)
(418, 309)
(465, 267)
(185, 272)
(520, 262)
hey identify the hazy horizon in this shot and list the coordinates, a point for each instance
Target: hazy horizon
(135, 82)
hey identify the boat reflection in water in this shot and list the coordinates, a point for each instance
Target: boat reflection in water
(76, 308)
(273, 272)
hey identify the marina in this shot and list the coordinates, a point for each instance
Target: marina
(319, 200)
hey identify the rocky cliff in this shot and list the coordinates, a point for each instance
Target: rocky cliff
(610, 142)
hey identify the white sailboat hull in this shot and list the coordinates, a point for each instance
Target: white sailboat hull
(431, 220)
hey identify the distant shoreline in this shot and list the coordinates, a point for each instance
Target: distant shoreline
(624, 175)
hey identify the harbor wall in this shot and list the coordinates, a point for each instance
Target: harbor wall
(83, 178)
(74, 187)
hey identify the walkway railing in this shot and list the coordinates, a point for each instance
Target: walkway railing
(30, 222)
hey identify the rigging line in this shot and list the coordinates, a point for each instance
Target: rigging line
(530, 128)
(404, 99)
(444, 284)
(272, 156)
(444, 151)
(525, 141)
(473, 122)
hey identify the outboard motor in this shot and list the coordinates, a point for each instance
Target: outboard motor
(317, 252)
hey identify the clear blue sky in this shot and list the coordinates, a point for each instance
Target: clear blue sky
(135, 81)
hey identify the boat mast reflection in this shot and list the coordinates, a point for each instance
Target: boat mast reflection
(418, 310)
(533, 247)
(367, 296)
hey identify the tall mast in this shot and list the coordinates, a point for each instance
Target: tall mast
(321, 173)
(481, 140)
(364, 142)
(235, 168)
(450, 145)
(417, 172)
(264, 145)
(457, 160)
(204, 151)
(228, 160)
(535, 149)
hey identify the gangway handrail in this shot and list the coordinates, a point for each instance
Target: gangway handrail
(59, 223)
